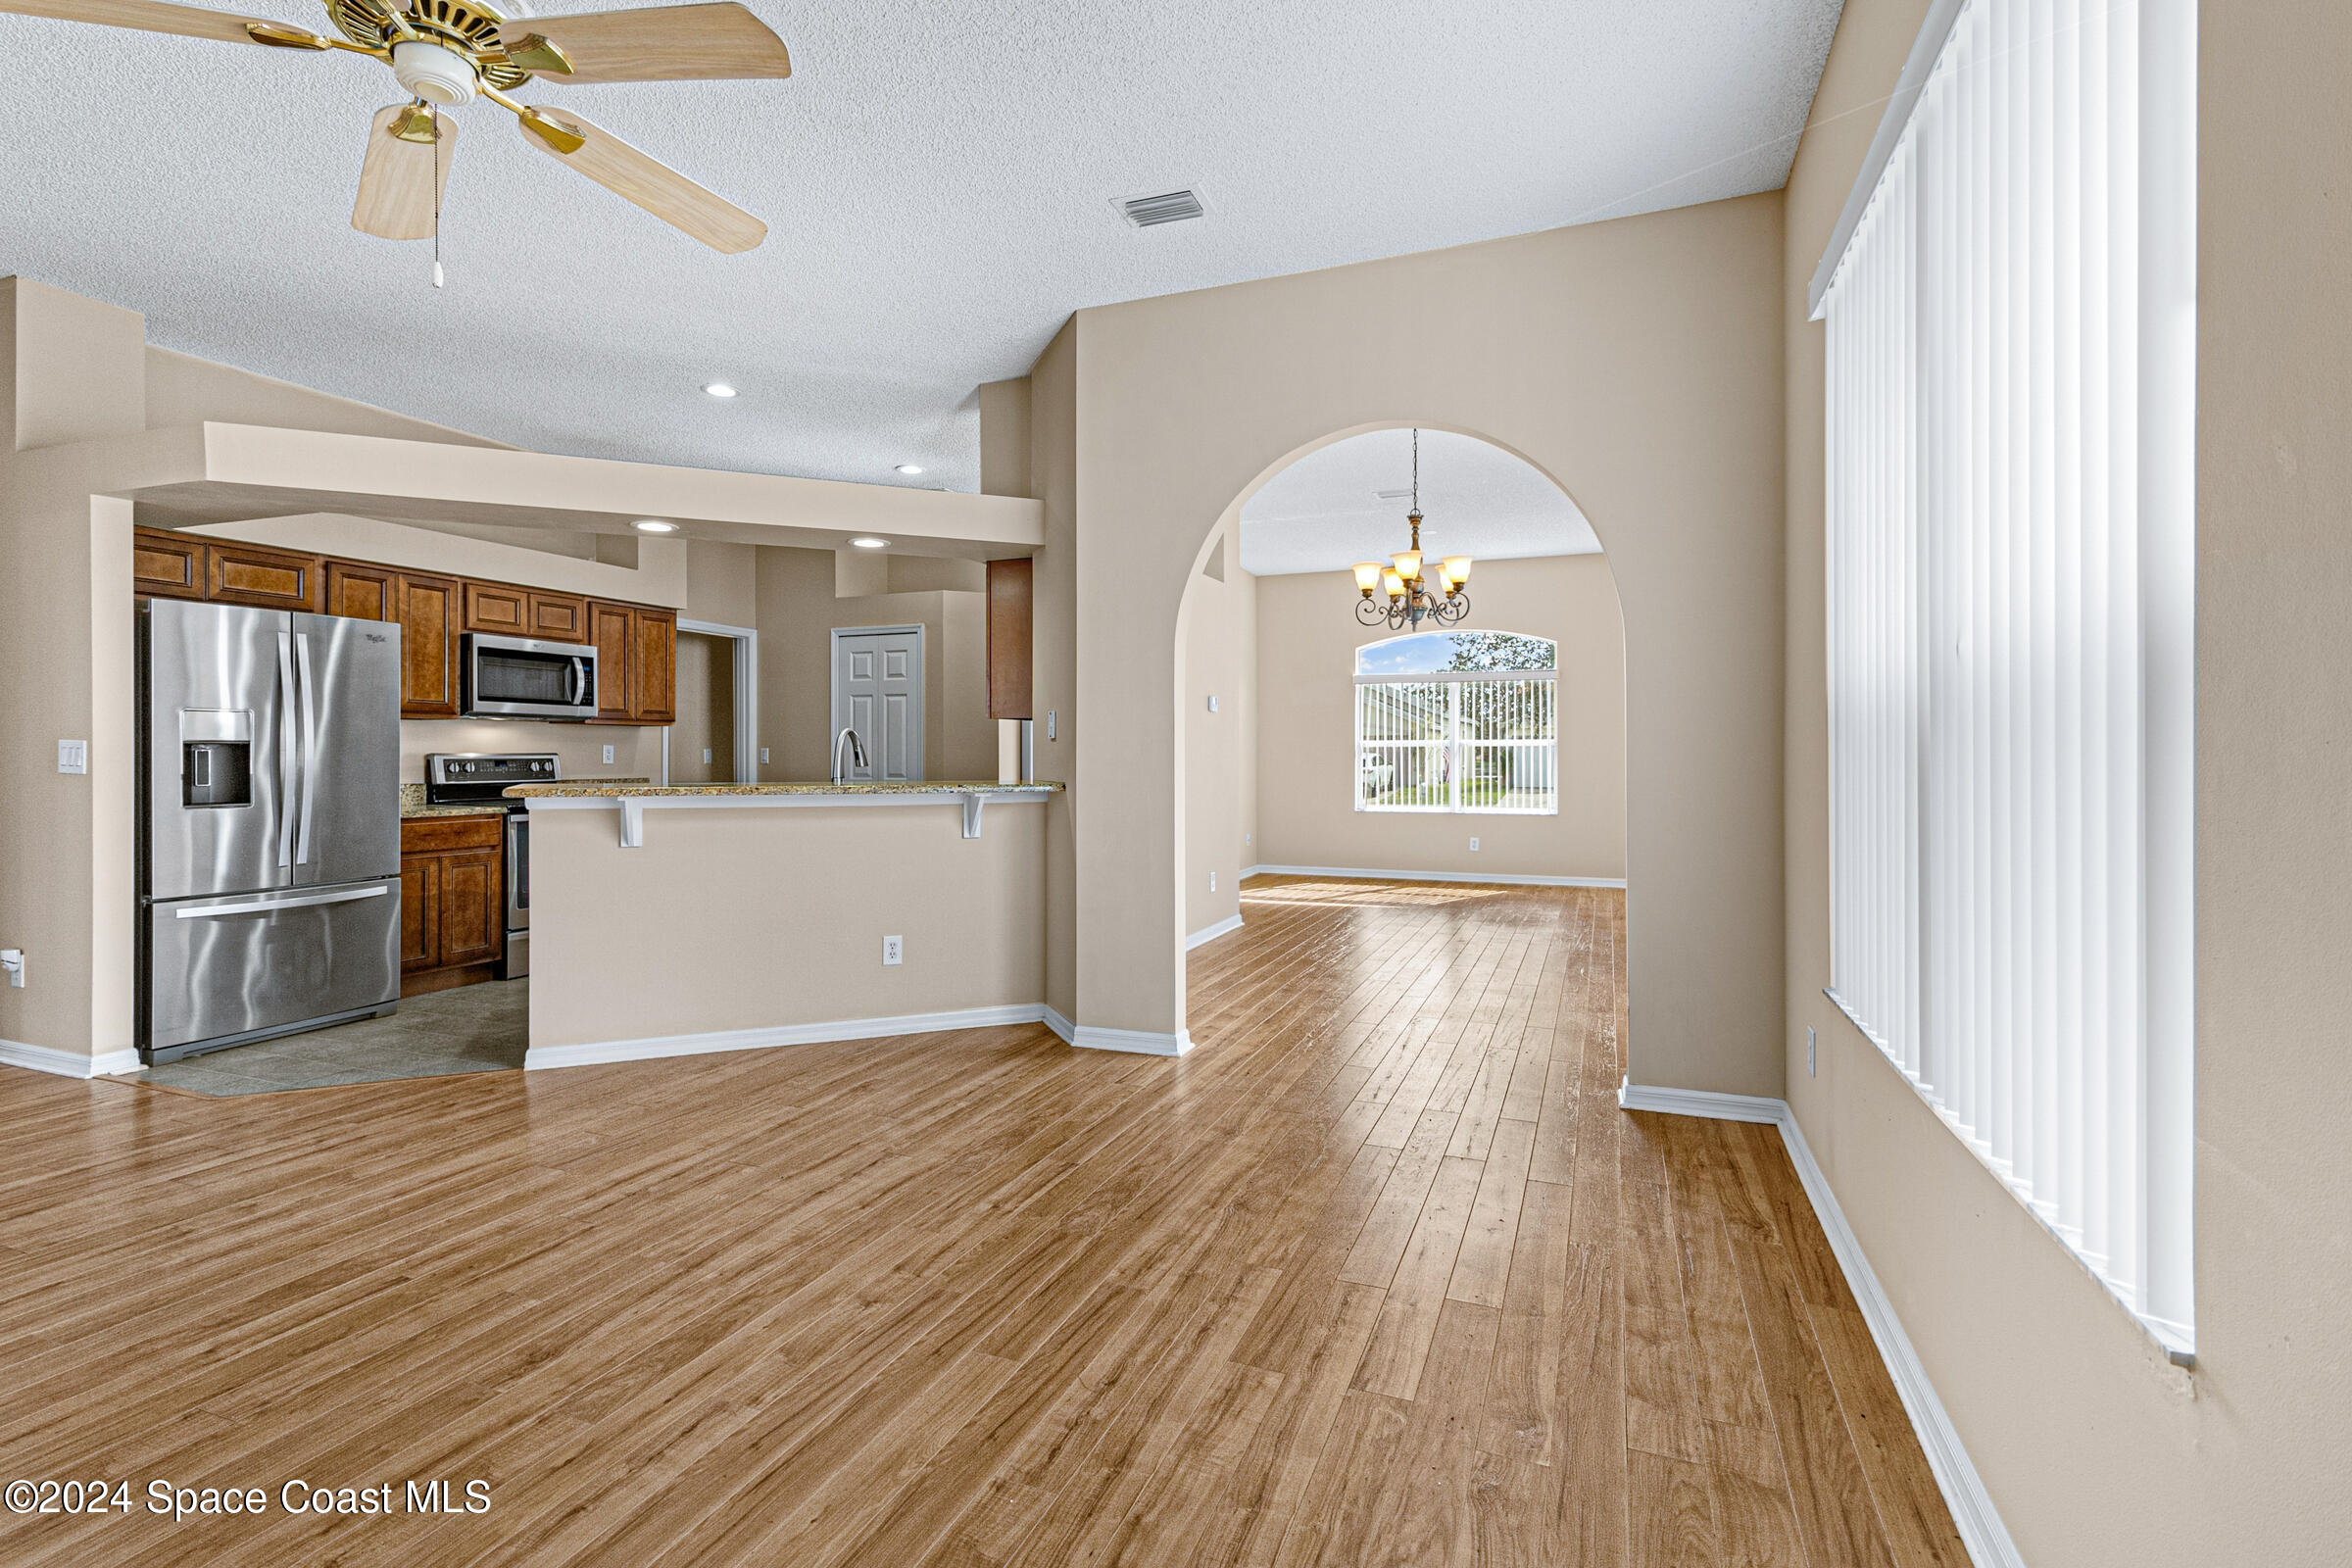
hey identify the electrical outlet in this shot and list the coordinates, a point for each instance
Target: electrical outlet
(12, 960)
(894, 950)
(1809, 1051)
(608, 754)
(1212, 703)
(1212, 881)
(763, 757)
(706, 754)
(1049, 718)
(1248, 838)
(1474, 846)
(73, 757)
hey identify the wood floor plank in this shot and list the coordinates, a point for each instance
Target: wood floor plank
(1379, 1274)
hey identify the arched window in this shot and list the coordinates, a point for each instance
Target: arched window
(1457, 721)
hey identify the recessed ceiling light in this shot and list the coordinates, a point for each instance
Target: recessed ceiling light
(911, 468)
(719, 389)
(870, 542)
(654, 525)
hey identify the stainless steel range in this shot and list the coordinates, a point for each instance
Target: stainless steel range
(481, 779)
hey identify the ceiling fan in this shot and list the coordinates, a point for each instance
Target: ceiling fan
(446, 53)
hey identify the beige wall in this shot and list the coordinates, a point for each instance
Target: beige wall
(720, 583)
(796, 609)
(1050, 412)
(1217, 623)
(750, 918)
(706, 711)
(1638, 363)
(1307, 639)
(2094, 1449)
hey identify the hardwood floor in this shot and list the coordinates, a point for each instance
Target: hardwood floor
(1380, 1274)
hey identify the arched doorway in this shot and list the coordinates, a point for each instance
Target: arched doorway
(1321, 733)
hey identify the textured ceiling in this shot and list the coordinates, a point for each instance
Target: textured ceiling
(937, 176)
(1325, 512)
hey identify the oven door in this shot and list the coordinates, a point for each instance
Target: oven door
(522, 677)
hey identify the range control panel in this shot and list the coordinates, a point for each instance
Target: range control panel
(453, 778)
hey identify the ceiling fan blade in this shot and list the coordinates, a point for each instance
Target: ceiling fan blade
(668, 43)
(397, 193)
(635, 176)
(153, 15)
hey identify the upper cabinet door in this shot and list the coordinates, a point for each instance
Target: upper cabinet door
(167, 566)
(1010, 593)
(557, 618)
(428, 613)
(613, 628)
(494, 607)
(256, 576)
(657, 666)
(359, 591)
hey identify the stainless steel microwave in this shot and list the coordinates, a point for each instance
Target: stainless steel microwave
(522, 677)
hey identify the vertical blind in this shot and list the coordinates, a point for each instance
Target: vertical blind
(2010, 489)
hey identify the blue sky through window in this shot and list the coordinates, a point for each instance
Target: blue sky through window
(1432, 653)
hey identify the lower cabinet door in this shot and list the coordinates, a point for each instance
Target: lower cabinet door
(420, 912)
(472, 907)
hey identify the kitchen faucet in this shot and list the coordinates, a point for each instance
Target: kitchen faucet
(857, 755)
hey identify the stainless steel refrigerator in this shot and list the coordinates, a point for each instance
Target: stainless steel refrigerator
(269, 823)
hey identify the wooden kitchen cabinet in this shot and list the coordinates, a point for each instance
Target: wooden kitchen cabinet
(499, 608)
(427, 609)
(167, 566)
(267, 579)
(613, 628)
(360, 591)
(653, 683)
(1012, 593)
(637, 662)
(557, 618)
(452, 913)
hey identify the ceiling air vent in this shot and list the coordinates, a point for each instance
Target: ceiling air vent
(1150, 212)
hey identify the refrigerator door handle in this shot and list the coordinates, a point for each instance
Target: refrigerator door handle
(298, 901)
(310, 746)
(285, 749)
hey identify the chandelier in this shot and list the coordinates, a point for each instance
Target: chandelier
(1406, 582)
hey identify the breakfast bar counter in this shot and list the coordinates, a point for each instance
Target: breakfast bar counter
(747, 916)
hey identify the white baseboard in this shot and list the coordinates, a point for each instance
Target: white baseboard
(1210, 933)
(1972, 1513)
(1706, 1103)
(1143, 1042)
(67, 1063)
(1501, 878)
(1061, 1026)
(792, 1034)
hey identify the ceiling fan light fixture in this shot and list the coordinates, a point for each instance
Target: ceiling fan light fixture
(435, 73)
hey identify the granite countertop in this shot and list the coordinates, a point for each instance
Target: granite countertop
(609, 788)
(412, 802)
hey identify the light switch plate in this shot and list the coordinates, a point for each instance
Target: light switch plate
(1212, 881)
(763, 757)
(608, 754)
(73, 757)
(894, 950)
(1050, 716)
(1212, 703)
(706, 755)
(1809, 1051)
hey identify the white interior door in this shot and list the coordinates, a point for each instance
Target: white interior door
(878, 692)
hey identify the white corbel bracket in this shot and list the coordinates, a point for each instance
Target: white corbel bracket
(971, 814)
